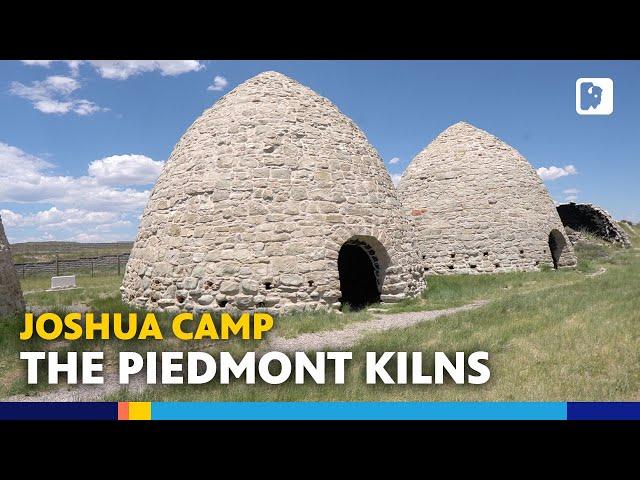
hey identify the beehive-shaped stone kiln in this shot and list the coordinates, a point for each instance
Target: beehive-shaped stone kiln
(478, 206)
(272, 199)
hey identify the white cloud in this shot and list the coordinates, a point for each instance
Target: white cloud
(73, 224)
(553, 173)
(103, 205)
(54, 85)
(125, 170)
(33, 183)
(395, 178)
(394, 160)
(123, 69)
(74, 65)
(219, 83)
(55, 218)
(570, 198)
(10, 219)
(85, 107)
(53, 95)
(61, 84)
(11, 156)
(38, 63)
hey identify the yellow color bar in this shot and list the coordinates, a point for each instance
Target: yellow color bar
(139, 410)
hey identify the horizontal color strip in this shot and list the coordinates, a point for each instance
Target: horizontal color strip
(603, 411)
(320, 411)
(58, 411)
(360, 411)
(123, 410)
(139, 411)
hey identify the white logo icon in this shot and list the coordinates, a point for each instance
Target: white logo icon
(594, 96)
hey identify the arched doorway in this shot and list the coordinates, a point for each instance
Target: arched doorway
(362, 262)
(557, 243)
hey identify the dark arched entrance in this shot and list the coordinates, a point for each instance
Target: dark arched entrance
(556, 246)
(359, 268)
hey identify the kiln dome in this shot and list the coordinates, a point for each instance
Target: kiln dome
(478, 206)
(272, 199)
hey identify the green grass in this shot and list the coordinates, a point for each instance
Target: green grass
(551, 335)
(90, 290)
(293, 325)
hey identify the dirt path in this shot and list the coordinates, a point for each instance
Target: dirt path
(354, 332)
(346, 337)
(598, 273)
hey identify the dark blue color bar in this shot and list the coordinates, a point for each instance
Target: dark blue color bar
(603, 411)
(359, 411)
(331, 411)
(58, 411)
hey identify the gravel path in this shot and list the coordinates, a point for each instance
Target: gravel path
(598, 273)
(354, 332)
(330, 339)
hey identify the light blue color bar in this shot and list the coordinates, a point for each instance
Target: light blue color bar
(359, 411)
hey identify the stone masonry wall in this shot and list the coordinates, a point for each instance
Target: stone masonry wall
(255, 202)
(11, 300)
(478, 206)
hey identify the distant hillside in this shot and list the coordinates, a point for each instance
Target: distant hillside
(46, 251)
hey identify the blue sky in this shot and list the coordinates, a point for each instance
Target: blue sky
(81, 143)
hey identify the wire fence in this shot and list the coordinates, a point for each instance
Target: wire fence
(99, 265)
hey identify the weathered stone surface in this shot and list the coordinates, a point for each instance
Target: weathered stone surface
(229, 287)
(205, 300)
(11, 300)
(250, 287)
(257, 199)
(478, 206)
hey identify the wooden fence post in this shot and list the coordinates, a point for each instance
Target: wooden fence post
(57, 266)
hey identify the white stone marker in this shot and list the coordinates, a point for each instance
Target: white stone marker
(58, 283)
